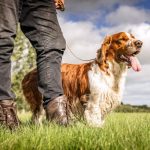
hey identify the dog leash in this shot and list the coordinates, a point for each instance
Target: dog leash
(77, 56)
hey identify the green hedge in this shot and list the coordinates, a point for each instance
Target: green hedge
(129, 108)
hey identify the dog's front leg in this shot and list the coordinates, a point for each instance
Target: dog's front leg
(92, 113)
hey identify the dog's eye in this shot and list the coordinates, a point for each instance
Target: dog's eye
(119, 41)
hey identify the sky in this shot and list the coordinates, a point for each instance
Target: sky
(85, 23)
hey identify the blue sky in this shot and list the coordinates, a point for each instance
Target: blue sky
(86, 22)
(83, 10)
(144, 4)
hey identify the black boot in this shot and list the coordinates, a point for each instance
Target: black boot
(56, 110)
(8, 114)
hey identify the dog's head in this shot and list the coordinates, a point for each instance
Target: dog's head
(122, 48)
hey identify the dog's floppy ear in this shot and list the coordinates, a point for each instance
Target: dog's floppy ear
(101, 53)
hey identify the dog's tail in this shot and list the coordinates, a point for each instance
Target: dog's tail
(30, 90)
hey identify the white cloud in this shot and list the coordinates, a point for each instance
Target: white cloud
(83, 38)
(137, 89)
(128, 15)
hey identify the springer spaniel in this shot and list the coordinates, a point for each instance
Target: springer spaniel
(93, 89)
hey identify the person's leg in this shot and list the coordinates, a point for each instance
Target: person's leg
(40, 25)
(8, 23)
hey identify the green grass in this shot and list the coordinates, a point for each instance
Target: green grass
(129, 131)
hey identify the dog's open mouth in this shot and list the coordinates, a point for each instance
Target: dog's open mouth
(131, 60)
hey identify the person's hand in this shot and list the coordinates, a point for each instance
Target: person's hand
(59, 4)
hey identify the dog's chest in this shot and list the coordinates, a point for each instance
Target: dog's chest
(100, 82)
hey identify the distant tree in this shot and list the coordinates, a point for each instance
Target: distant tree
(131, 108)
(23, 60)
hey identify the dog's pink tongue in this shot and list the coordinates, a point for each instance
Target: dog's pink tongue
(136, 66)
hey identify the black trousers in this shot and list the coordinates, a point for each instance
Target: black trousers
(38, 21)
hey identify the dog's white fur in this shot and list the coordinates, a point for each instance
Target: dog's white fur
(106, 92)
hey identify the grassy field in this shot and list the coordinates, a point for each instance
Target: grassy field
(129, 131)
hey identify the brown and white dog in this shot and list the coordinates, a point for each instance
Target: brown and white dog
(93, 89)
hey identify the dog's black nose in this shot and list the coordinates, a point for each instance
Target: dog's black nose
(138, 43)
